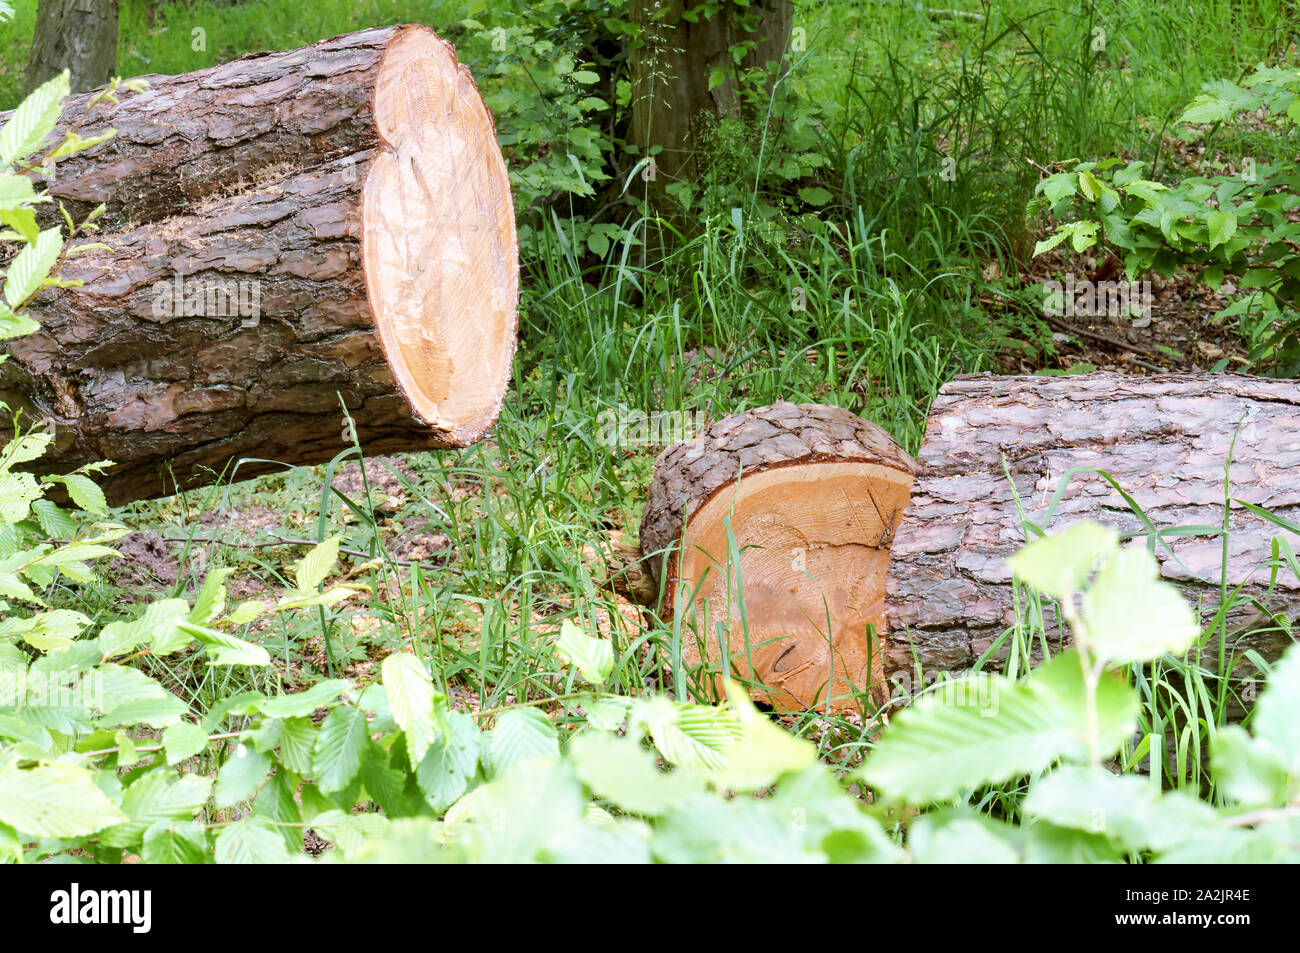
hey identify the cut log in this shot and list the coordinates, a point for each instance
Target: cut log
(810, 495)
(296, 228)
(195, 135)
(1165, 439)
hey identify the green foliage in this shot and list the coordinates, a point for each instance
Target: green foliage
(1240, 224)
(1059, 724)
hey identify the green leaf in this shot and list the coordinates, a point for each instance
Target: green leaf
(708, 829)
(510, 819)
(1089, 186)
(959, 837)
(1277, 714)
(1058, 186)
(17, 492)
(252, 840)
(410, 697)
(157, 796)
(451, 762)
(160, 625)
(15, 190)
(764, 752)
(154, 712)
(1222, 226)
(1059, 565)
(31, 266)
(320, 695)
(317, 564)
(1248, 771)
(33, 120)
(23, 223)
(54, 520)
(691, 736)
(519, 734)
(1133, 616)
(620, 770)
(297, 743)
(815, 196)
(49, 631)
(593, 657)
(1123, 808)
(339, 743)
(385, 784)
(183, 740)
(223, 649)
(936, 749)
(212, 597)
(85, 493)
(54, 800)
(240, 777)
(175, 842)
(606, 713)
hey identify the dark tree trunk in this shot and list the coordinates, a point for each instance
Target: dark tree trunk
(76, 35)
(671, 67)
(1165, 439)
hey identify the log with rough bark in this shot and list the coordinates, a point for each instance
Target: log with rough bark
(285, 231)
(793, 506)
(1164, 439)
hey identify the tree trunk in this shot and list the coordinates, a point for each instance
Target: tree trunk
(1164, 439)
(811, 495)
(77, 35)
(287, 229)
(671, 69)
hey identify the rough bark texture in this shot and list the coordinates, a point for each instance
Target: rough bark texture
(812, 494)
(1165, 439)
(307, 227)
(195, 135)
(671, 71)
(77, 35)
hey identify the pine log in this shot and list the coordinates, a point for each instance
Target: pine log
(292, 229)
(1165, 439)
(811, 495)
(195, 135)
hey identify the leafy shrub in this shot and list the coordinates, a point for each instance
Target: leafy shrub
(1241, 225)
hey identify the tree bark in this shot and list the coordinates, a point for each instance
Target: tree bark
(671, 68)
(196, 135)
(1165, 439)
(77, 35)
(810, 495)
(289, 229)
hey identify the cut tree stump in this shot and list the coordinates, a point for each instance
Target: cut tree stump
(285, 230)
(813, 494)
(1164, 439)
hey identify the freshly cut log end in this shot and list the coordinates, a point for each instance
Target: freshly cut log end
(284, 231)
(811, 494)
(995, 445)
(441, 258)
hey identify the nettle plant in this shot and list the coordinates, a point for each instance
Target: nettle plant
(1242, 225)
